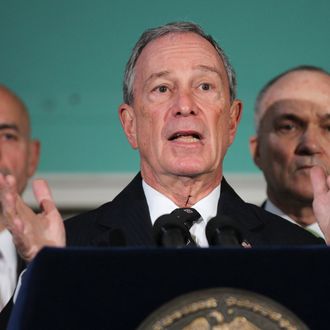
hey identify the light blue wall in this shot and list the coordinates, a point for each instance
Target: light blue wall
(65, 58)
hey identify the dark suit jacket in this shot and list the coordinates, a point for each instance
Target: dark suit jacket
(128, 213)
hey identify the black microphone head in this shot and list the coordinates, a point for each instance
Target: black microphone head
(222, 230)
(187, 216)
(168, 231)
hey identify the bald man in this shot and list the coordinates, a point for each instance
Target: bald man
(19, 156)
(292, 117)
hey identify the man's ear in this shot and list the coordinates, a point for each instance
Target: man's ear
(235, 117)
(34, 156)
(128, 122)
(254, 150)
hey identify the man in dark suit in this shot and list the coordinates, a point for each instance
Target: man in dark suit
(181, 112)
(292, 117)
(19, 156)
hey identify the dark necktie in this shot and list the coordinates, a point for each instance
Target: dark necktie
(187, 216)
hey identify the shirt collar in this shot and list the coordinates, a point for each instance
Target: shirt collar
(159, 204)
(314, 227)
(270, 207)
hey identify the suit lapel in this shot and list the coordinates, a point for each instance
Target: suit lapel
(129, 214)
(232, 205)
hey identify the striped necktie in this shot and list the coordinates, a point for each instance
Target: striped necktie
(187, 216)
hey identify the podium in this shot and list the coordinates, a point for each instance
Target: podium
(117, 288)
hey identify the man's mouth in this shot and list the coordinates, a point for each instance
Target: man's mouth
(185, 137)
(306, 163)
(304, 167)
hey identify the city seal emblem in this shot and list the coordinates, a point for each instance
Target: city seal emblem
(222, 309)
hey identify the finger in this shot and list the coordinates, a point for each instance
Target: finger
(17, 229)
(9, 209)
(319, 180)
(43, 195)
(3, 183)
(23, 211)
(11, 182)
(10, 205)
(48, 206)
(7, 187)
(26, 252)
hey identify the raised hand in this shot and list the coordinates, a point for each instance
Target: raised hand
(31, 231)
(321, 203)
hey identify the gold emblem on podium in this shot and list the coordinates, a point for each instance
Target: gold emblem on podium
(222, 309)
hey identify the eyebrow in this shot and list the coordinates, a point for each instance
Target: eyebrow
(300, 120)
(204, 68)
(207, 68)
(9, 126)
(289, 116)
(282, 104)
(293, 115)
(157, 75)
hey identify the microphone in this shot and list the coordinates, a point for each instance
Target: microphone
(169, 232)
(222, 230)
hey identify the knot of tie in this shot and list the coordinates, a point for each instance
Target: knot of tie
(187, 216)
(173, 229)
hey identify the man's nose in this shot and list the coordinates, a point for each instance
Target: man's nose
(309, 142)
(185, 104)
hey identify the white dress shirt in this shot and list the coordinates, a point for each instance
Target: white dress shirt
(207, 207)
(314, 227)
(8, 266)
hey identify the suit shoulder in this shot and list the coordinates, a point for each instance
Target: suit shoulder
(284, 231)
(80, 227)
(88, 216)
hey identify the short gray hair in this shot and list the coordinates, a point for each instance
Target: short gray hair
(175, 27)
(270, 83)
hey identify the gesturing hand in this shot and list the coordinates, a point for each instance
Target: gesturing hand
(321, 203)
(31, 231)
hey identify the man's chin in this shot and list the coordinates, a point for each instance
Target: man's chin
(188, 171)
(303, 193)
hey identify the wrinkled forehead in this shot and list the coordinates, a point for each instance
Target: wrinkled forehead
(305, 87)
(302, 111)
(186, 48)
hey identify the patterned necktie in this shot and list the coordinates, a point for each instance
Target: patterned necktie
(187, 216)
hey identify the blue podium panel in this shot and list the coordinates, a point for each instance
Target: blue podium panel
(117, 288)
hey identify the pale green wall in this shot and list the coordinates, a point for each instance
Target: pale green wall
(65, 58)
